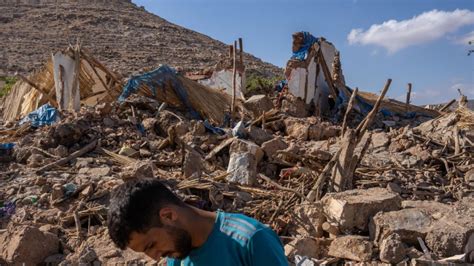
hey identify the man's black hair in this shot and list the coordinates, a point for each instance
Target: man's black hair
(135, 207)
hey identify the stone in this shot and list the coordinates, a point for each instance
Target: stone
(150, 125)
(351, 247)
(54, 259)
(394, 187)
(272, 146)
(392, 250)
(35, 160)
(87, 255)
(307, 246)
(141, 169)
(27, 245)
(58, 192)
(352, 209)
(322, 131)
(128, 151)
(192, 165)
(242, 168)
(294, 106)
(380, 139)
(61, 151)
(103, 108)
(296, 129)
(96, 171)
(242, 146)
(83, 162)
(407, 223)
(144, 153)
(258, 104)
(469, 177)
(258, 135)
(108, 122)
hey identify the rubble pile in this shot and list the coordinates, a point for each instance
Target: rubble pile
(378, 189)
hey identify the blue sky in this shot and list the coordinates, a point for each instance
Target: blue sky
(422, 42)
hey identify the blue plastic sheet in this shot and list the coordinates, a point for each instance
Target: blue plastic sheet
(308, 41)
(46, 115)
(7, 210)
(7, 146)
(157, 79)
(279, 87)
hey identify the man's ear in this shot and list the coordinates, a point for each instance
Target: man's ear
(168, 215)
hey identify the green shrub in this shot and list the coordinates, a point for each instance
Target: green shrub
(9, 82)
(258, 84)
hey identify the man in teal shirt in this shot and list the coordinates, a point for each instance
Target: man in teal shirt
(147, 217)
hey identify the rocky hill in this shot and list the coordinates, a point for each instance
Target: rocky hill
(123, 36)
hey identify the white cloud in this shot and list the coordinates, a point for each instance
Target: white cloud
(466, 38)
(428, 26)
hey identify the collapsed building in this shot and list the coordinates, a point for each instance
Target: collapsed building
(393, 183)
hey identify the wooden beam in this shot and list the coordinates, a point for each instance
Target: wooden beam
(327, 73)
(241, 48)
(407, 103)
(446, 106)
(234, 78)
(348, 110)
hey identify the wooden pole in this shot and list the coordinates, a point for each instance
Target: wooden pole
(447, 105)
(241, 48)
(407, 104)
(234, 78)
(371, 116)
(231, 51)
(348, 110)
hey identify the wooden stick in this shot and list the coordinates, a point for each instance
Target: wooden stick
(327, 73)
(371, 116)
(407, 103)
(315, 190)
(446, 106)
(348, 110)
(241, 47)
(234, 78)
(77, 221)
(457, 148)
(107, 88)
(89, 147)
(275, 184)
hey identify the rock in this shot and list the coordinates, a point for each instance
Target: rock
(322, 131)
(258, 104)
(310, 219)
(83, 162)
(407, 223)
(96, 172)
(272, 146)
(242, 146)
(108, 122)
(307, 246)
(258, 135)
(242, 168)
(87, 255)
(35, 160)
(447, 238)
(353, 209)
(192, 165)
(392, 250)
(394, 187)
(469, 177)
(296, 129)
(150, 125)
(294, 106)
(380, 139)
(128, 151)
(61, 151)
(141, 169)
(27, 245)
(57, 193)
(55, 259)
(103, 108)
(351, 247)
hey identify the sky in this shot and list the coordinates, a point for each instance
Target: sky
(422, 42)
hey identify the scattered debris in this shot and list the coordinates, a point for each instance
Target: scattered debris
(341, 175)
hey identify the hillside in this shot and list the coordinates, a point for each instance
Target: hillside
(122, 35)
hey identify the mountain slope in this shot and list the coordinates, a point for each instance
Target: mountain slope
(123, 36)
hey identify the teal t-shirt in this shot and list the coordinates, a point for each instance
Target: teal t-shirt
(236, 240)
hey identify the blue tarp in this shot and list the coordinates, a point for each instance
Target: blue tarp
(157, 79)
(7, 146)
(45, 115)
(308, 41)
(279, 87)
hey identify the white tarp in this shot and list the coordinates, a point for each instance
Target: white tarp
(222, 80)
(67, 91)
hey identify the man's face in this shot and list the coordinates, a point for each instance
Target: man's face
(167, 241)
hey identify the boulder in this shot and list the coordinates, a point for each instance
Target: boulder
(294, 106)
(352, 209)
(27, 245)
(141, 169)
(258, 135)
(392, 250)
(192, 165)
(351, 247)
(242, 168)
(258, 104)
(243, 146)
(407, 223)
(308, 247)
(272, 146)
(296, 129)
